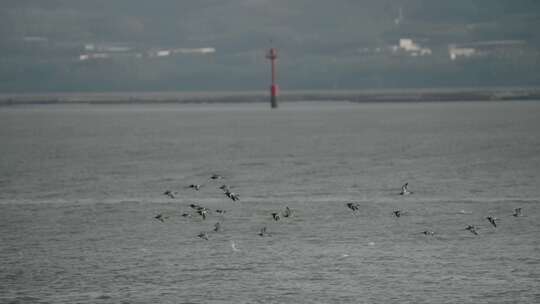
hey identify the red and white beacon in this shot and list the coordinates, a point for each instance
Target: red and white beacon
(274, 89)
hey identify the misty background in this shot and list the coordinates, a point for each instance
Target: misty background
(169, 45)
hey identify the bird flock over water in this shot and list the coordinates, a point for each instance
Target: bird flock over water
(471, 228)
(204, 212)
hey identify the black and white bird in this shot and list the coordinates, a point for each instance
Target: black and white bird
(275, 216)
(397, 213)
(287, 212)
(492, 220)
(203, 212)
(171, 194)
(472, 229)
(203, 235)
(160, 217)
(404, 190)
(233, 196)
(220, 211)
(353, 206)
(196, 207)
(517, 212)
(263, 232)
(217, 227)
(428, 232)
(195, 187)
(216, 176)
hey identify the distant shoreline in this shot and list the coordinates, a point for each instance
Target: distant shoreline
(361, 96)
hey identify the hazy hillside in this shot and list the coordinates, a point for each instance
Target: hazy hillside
(323, 44)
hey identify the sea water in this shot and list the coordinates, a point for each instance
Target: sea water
(80, 186)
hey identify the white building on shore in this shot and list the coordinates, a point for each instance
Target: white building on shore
(408, 46)
(455, 52)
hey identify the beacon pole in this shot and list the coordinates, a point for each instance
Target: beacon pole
(274, 89)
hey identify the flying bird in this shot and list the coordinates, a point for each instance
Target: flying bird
(203, 212)
(203, 235)
(404, 190)
(233, 245)
(287, 212)
(428, 232)
(196, 207)
(216, 176)
(275, 216)
(517, 212)
(195, 187)
(160, 217)
(217, 227)
(171, 194)
(492, 220)
(397, 213)
(233, 196)
(263, 232)
(353, 206)
(472, 229)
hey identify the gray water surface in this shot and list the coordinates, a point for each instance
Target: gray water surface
(80, 186)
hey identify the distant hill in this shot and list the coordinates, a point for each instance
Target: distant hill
(342, 44)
